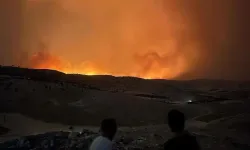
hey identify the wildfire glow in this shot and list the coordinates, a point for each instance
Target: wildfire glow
(147, 69)
(138, 38)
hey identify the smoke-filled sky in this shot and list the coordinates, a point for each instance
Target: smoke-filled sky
(145, 38)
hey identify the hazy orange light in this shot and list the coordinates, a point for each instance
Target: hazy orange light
(117, 37)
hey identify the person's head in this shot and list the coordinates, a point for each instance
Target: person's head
(109, 128)
(71, 128)
(176, 121)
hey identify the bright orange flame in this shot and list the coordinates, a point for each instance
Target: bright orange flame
(148, 67)
(44, 60)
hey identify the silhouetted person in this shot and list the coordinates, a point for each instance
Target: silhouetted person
(182, 139)
(108, 131)
(71, 128)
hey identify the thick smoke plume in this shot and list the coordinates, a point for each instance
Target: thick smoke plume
(145, 38)
(10, 31)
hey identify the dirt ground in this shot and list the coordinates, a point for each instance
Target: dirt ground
(218, 112)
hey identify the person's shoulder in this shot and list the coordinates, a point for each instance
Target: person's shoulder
(191, 139)
(98, 138)
(184, 141)
(101, 142)
(169, 143)
(102, 139)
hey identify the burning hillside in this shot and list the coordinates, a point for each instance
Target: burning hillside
(149, 65)
(44, 60)
(121, 38)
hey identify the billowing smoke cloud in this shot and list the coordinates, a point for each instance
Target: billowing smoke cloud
(223, 28)
(10, 32)
(146, 38)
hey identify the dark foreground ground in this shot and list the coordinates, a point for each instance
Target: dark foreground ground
(218, 113)
(144, 138)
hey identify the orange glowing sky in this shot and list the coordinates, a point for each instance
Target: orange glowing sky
(143, 38)
(180, 39)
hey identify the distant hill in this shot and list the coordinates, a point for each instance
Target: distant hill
(49, 94)
(104, 80)
(52, 75)
(34, 74)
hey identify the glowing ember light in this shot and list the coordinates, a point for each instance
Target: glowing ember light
(91, 73)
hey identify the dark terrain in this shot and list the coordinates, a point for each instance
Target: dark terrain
(217, 110)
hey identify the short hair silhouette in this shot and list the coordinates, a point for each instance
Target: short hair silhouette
(109, 126)
(176, 120)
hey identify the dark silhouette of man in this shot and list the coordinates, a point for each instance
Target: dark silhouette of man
(108, 131)
(182, 139)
